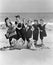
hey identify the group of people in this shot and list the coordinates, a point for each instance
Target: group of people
(27, 30)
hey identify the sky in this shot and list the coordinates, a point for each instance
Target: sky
(26, 5)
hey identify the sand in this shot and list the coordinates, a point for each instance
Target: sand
(24, 56)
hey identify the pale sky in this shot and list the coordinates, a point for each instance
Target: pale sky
(26, 5)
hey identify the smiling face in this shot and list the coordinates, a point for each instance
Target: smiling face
(8, 22)
(17, 18)
(36, 22)
(41, 21)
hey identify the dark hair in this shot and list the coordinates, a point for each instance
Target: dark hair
(36, 20)
(15, 22)
(18, 16)
(41, 20)
(6, 19)
(6, 22)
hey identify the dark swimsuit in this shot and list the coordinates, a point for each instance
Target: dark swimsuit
(35, 32)
(43, 31)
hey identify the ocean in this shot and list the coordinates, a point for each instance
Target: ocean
(45, 16)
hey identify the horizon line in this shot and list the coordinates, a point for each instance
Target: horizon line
(26, 12)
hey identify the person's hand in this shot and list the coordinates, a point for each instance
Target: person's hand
(32, 28)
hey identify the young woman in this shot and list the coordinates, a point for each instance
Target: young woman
(28, 35)
(35, 32)
(11, 32)
(20, 27)
(42, 30)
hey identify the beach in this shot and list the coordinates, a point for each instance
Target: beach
(25, 56)
(31, 20)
